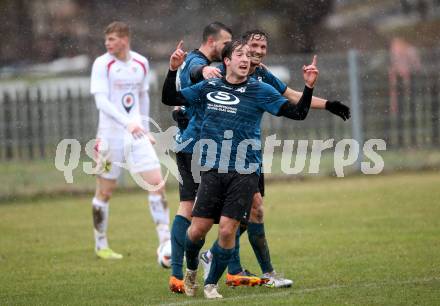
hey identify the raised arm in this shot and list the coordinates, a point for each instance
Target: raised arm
(335, 107)
(170, 95)
(299, 110)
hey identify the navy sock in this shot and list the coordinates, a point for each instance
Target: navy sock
(257, 238)
(220, 259)
(234, 265)
(192, 250)
(178, 233)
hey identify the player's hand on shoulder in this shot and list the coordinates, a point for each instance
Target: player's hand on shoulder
(178, 57)
(339, 109)
(211, 72)
(311, 73)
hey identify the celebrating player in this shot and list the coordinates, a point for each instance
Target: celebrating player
(119, 83)
(215, 36)
(233, 108)
(257, 42)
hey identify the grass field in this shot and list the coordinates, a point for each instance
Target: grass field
(352, 241)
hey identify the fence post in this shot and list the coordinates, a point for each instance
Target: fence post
(434, 112)
(19, 115)
(8, 122)
(356, 103)
(30, 125)
(70, 115)
(401, 99)
(41, 120)
(413, 109)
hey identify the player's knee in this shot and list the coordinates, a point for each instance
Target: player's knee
(154, 178)
(196, 233)
(227, 232)
(104, 194)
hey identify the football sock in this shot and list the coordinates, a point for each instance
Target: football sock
(220, 260)
(192, 250)
(100, 223)
(178, 234)
(257, 238)
(161, 216)
(234, 265)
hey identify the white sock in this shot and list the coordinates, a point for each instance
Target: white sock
(100, 223)
(161, 216)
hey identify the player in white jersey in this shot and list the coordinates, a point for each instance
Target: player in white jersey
(119, 83)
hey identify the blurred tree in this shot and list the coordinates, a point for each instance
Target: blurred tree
(76, 26)
(15, 20)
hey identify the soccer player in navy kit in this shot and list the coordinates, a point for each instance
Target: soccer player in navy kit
(233, 108)
(215, 36)
(257, 42)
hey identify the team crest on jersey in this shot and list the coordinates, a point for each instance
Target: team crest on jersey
(221, 97)
(128, 101)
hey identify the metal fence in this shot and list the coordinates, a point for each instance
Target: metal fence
(34, 117)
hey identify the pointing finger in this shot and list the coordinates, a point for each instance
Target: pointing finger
(314, 62)
(180, 45)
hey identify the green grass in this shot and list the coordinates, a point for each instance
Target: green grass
(354, 241)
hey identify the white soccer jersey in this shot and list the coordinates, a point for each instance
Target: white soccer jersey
(122, 82)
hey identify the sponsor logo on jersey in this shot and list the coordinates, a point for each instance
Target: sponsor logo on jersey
(128, 101)
(241, 89)
(221, 97)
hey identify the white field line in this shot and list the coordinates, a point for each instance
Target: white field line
(285, 292)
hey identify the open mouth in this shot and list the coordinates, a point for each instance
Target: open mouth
(243, 67)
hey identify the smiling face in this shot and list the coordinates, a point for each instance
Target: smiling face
(258, 48)
(239, 63)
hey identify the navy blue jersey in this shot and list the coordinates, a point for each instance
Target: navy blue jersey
(193, 59)
(231, 121)
(261, 74)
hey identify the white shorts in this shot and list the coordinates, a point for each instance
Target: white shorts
(135, 155)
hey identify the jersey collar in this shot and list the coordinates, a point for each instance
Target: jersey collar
(202, 55)
(235, 85)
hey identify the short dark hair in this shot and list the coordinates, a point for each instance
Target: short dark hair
(256, 33)
(120, 28)
(213, 29)
(230, 47)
